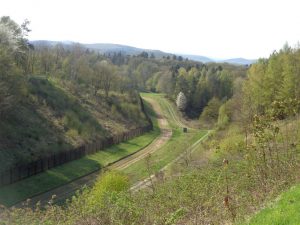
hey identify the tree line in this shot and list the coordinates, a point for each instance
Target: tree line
(87, 71)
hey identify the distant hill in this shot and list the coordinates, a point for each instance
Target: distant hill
(199, 58)
(106, 48)
(124, 49)
(50, 43)
(240, 61)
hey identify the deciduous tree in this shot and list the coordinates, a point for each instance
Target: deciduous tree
(181, 101)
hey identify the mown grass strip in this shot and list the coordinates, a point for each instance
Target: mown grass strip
(58, 176)
(167, 153)
(171, 150)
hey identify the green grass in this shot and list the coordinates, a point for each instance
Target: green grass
(172, 149)
(61, 175)
(167, 153)
(285, 211)
(49, 116)
(11, 194)
(166, 108)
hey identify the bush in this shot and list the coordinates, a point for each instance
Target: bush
(211, 111)
(107, 188)
(224, 116)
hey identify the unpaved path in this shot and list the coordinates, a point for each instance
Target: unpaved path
(173, 114)
(165, 135)
(153, 178)
(69, 189)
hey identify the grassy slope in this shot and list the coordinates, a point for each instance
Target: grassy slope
(52, 117)
(197, 196)
(284, 211)
(172, 149)
(200, 192)
(65, 173)
(60, 175)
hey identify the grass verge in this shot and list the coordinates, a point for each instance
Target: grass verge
(171, 150)
(166, 154)
(19, 191)
(283, 211)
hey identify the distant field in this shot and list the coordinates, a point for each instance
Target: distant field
(11, 194)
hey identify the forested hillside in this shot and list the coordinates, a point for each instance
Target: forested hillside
(245, 163)
(55, 99)
(117, 49)
(199, 82)
(57, 96)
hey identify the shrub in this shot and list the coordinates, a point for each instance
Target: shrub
(224, 116)
(211, 111)
(106, 188)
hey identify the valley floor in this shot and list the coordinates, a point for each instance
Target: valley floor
(211, 182)
(67, 190)
(129, 157)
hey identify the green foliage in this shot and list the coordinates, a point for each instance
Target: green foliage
(211, 111)
(84, 90)
(224, 115)
(166, 154)
(111, 184)
(45, 118)
(172, 148)
(207, 193)
(275, 79)
(13, 47)
(231, 143)
(201, 83)
(53, 98)
(130, 111)
(63, 174)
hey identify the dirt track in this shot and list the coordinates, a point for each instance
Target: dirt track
(166, 133)
(149, 181)
(69, 189)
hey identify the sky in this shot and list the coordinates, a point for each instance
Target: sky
(213, 28)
